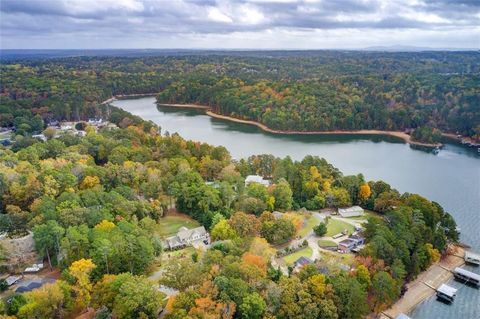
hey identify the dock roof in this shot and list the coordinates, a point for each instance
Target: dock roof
(469, 254)
(447, 290)
(467, 273)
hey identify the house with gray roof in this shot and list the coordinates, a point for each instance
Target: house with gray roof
(185, 237)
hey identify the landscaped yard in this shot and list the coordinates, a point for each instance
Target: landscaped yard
(326, 243)
(309, 223)
(169, 225)
(336, 226)
(305, 252)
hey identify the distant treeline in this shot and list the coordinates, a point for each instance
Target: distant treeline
(298, 90)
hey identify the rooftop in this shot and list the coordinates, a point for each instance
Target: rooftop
(302, 261)
(470, 255)
(350, 209)
(447, 290)
(467, 273)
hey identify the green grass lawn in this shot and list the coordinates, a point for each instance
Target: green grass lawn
(309, 223)
(305, 252)
(368, 213)
(336, 226)
(169, 225)
(326, 243)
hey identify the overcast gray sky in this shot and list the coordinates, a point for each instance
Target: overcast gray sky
(259, 24)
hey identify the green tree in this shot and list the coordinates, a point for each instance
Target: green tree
(253, 306)
(283, 195)
(320, 230)
(47, 239)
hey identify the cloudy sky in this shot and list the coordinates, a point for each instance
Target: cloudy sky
(263, 24)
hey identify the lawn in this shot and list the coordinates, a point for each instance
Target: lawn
(305, 252)
(336, 226)
(169, 225)
(309, 223)
(326, 243)
(368, 213)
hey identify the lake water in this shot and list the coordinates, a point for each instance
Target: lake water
(451, 177)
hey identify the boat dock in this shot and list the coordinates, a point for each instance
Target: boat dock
(472, 258)
(446, 293)
(467, 276)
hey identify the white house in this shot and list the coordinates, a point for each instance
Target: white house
(256, 179)
(351, 211)
(185, 237)
(40, 137)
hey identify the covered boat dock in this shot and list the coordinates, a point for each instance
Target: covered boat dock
(472, 258)
(467, 276)
(446, 293)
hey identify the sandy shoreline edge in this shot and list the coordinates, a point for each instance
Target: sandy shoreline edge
(425, 285)
(401, 135)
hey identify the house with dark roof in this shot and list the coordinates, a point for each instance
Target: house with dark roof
(185, 237)
(302, 262)
(351, 243)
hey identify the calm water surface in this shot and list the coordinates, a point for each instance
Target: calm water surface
(451, 178)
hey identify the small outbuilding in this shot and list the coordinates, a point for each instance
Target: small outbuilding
(353, 211)
(256, 179)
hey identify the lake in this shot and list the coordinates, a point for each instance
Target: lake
(451, 177)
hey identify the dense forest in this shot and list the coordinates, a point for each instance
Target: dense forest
(295, 91)
(94, 203)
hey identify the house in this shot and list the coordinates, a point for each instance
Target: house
(185, 237)
(346, 245)
(40, 137)
(302, 262)
(351, 243)
(95, 121)
(359, 239)
(256, 179)
(353, 211)
(34, 268)
(32, 284)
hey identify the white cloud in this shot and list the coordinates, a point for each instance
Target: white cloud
(216, 15)
(238, 23)
(250, 15)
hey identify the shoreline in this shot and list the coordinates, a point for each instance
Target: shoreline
(398, 134)
(425, 285)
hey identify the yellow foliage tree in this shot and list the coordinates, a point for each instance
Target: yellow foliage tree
(318, 285)
(327, 186)
(105, 225)
(50, 186)
(90, 182)
(261, 247)
(364, 192)
(45, 302)
(433, 252)
(81, 270)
